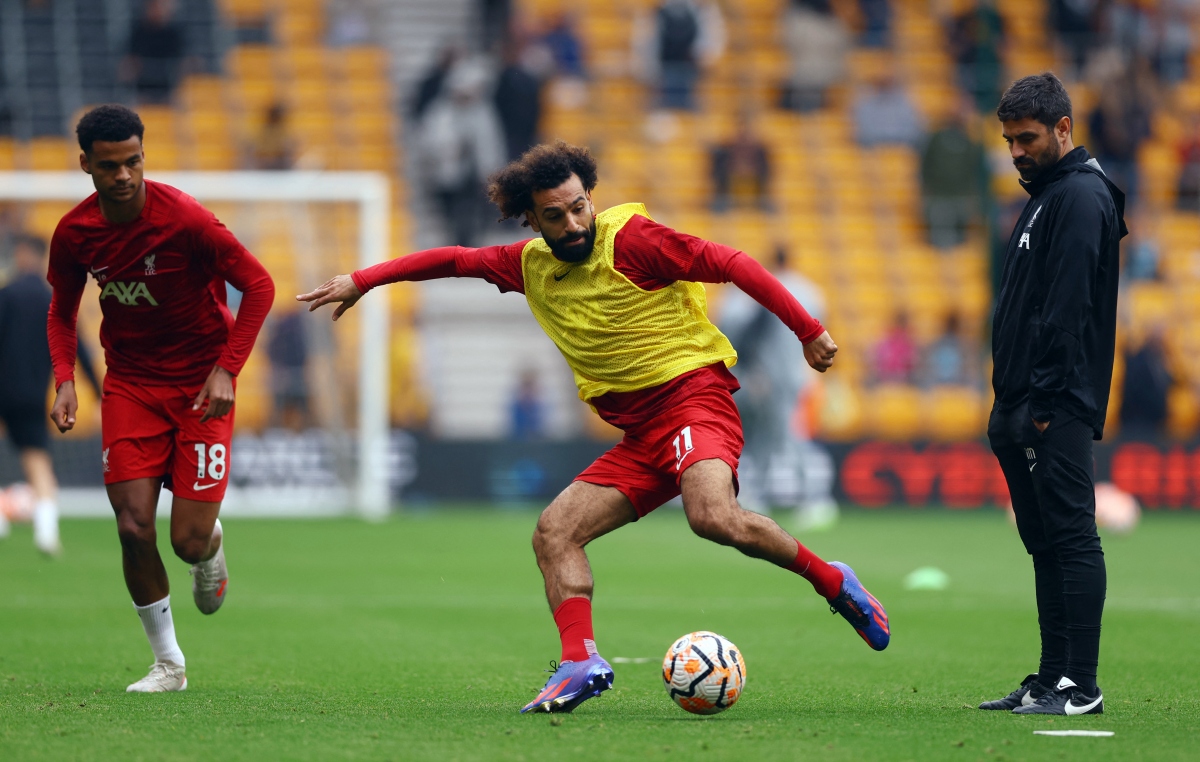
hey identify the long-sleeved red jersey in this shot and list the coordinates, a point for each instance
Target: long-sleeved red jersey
(162, 279)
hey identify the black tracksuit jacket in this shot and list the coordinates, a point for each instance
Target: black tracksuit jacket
(1054, 328)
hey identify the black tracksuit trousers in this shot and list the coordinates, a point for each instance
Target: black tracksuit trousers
(1050, 479)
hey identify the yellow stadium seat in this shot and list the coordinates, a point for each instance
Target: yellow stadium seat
(53, 153)
(202, 92)
(8, 154)
(954, 414)
(895, 413)
(363, 62)
(304, 62)
(251, 62)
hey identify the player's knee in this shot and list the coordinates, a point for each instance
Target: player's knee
(711, 525)
(190, 549)
(135, 535)
(545, 535)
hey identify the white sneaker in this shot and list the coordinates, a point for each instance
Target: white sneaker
(164, 676)
(210, 577)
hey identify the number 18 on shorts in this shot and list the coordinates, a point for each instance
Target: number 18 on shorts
(152, 431)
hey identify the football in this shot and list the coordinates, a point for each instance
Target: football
(704, 673)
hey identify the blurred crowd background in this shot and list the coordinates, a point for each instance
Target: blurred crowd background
(849, 144)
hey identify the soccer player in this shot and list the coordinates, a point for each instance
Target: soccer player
(620, 295)
(25, 358)
(1053, 336)
(173, 351)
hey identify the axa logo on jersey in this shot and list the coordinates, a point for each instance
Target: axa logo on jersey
(127, 293)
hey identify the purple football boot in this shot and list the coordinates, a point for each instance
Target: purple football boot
(572, 683)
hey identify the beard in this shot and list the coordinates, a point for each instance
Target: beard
(573, 247)
(1032, 167)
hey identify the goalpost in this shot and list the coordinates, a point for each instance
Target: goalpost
(369, 192)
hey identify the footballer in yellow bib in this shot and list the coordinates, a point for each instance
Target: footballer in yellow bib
(621, 297)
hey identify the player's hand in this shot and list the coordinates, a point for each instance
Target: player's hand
(820, 351)
(1040, 426)
(65, 406)
(340, 288)
(218, 390)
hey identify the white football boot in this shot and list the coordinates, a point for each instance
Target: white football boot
(210, 577)
(164, 676)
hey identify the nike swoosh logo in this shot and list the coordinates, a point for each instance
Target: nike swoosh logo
(1027, 699)
(98, 269)
(560, 277)
(1032, 467)
(1072, 709)
(196, 486)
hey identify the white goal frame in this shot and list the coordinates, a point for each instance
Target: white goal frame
(370, 191)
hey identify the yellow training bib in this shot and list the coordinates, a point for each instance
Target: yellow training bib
(615, 336)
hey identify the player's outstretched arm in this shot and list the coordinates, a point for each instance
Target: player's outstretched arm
(339, 289)
(500, 265)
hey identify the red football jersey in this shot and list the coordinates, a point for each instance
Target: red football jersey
(162, 279)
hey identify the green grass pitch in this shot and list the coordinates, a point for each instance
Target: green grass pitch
(420, 638)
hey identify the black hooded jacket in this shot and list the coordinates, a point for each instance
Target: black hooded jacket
(1054, 328)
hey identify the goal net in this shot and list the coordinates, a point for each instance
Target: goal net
(312, 434)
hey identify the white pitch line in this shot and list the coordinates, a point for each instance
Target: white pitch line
(1088, 733)
(631, 660)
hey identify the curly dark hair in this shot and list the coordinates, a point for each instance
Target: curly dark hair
(111, 123)
(540, 168)
(1038, 96)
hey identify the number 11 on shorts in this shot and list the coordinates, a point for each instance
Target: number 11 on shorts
(215, 461)
(685, 434)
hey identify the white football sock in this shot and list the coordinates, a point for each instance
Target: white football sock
(160, 630)
(4, 526)
(45, 524)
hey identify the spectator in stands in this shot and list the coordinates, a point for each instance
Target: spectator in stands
(1175, 41)
(430, 86)
(977, 45)
(951, 359)
(682, 37)
(1142, 256)
(518, 100)
(877, 23)
(817, 43)
(562, 42)
(273, 148)
(741, 169)
(1189, 167)
(461, 144)
(1074, 22)
(885, 114)
(953, 171)
(287, 351)
(894, 357)
(1116, 127)
(527, 414)
(1145, 389)
(157, 45)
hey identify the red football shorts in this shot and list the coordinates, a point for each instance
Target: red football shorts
(152, 431)
(647, 463)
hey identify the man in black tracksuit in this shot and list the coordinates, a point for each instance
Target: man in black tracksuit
(1053, 337)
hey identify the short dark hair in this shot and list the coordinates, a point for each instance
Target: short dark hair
(1038, 96)
(540, 168)
(111, 123)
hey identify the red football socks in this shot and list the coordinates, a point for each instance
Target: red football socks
(574, 620)
(826, 579)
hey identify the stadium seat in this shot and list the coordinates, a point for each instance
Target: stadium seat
(895, 413)
(954, 414)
